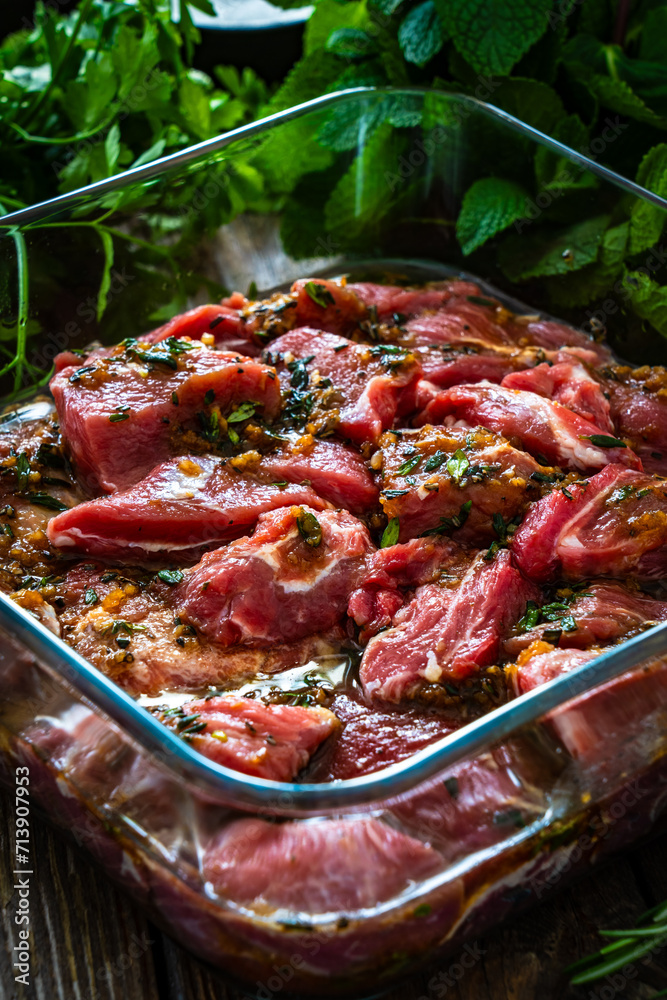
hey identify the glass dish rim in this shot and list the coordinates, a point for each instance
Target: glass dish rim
(289, 798)
(148, 171)
(233, 788)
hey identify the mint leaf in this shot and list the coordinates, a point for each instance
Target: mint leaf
(653, 37)
(533, 102)
(648, 299)
(350, 43)
(491, 35)
(556, 173)
(646, 220)
(489, 206)
(421, 34)
(596, 280)
(531, 255)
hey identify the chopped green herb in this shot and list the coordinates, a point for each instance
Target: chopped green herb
(452, 786)
(115, 418)
(209, 397)
(90, 596)
(46, 500)
(480, 300)
(6, 529)
(457, 465)
(436, 461)
(423, 910)
(22, 470)
(603, 441)
(320, 294)
(542, 477)
(390, 533)
(407, 467)
(174, 398)
(309, 528)
(242, 412)
(567, 493)
(170, 576)
(451, 523)
(395, 493)
(509, 817)
(340, 347)
(552, 635)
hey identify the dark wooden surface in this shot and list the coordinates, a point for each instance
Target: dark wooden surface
(89, 942)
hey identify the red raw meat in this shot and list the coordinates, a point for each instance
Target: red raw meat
(570, 383)
(335, 472)
(604, 612)
(183, 506)
(614, 524)
(222, 322)
(479, 802)
(622, 721)
(548, 430)
(339, 311)
(446, 633)
(389, 301)
(118, 417)
(368, 380)
(419, 488)
(639, 410)
(126, 626)
(405, 566)
(267, 741)
(321, 866)
(279, 585)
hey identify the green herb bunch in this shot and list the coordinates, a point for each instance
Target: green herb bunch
(592, 75)
(84, 96)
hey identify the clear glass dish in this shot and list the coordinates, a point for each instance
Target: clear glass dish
(383, 872)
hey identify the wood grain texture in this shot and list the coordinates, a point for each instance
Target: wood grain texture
(89, 942)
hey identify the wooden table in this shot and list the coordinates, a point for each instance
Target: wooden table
(91, 943)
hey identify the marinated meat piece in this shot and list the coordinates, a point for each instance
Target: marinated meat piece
(395, 303)
(317, 866)
(471, 482)
(480, 802)
(291, 579)
(354, 389)
(125, 624)
(221, 322)
(550, 431)
(638, 400)
(600, 613)
(375, 736)
(622, 721)
(465, 363)
(614, 524)
(569, 383)
(267, 741)
(327, 304)
(391, 571)
(184, 506)
(336, 473)
(463, 319)
(118, 414)
(446, 633)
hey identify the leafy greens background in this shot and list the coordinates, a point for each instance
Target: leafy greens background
(86, 95)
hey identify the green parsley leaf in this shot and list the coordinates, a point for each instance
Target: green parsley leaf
(458, 465)
(170, 576)
(390, 533)
(90, 596)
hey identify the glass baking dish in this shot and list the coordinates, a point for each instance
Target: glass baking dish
(330, 889)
